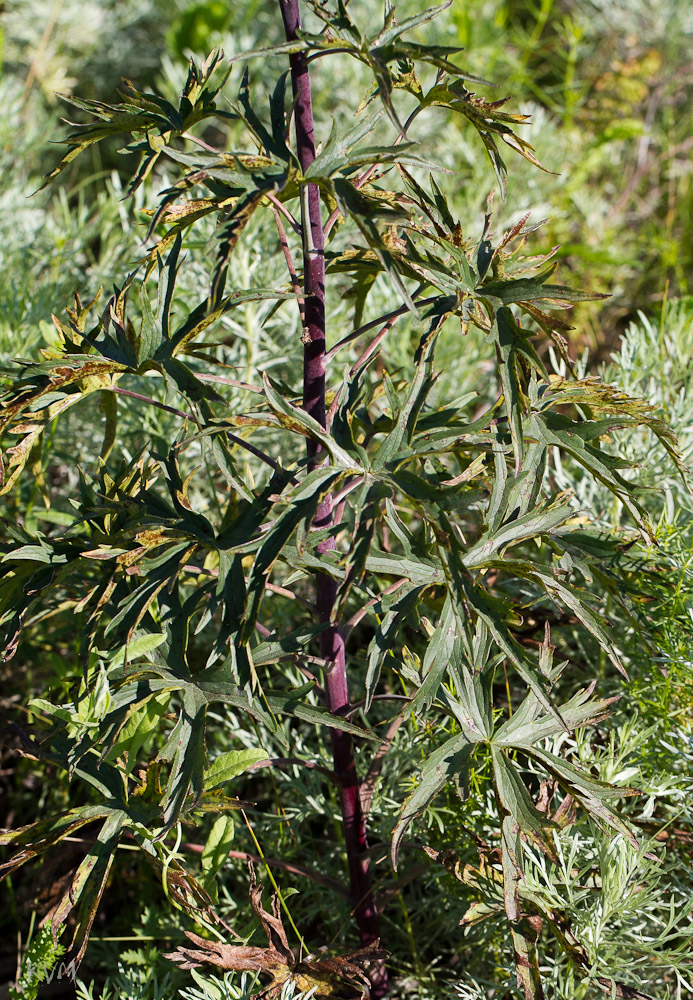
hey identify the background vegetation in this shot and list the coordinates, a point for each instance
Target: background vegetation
(607, 87)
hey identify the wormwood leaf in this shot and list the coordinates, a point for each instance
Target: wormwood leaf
(529, 725)
(507, 643)
(439, 652)
(207, 313)
(335, 152)
(543, 520)
(363, 210)
(525, 935)
(146, 114)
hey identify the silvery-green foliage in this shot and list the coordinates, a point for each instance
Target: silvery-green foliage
(57, 44)
(130, 983)
(233, 987)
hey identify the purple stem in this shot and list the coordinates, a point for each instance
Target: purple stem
(331, 640)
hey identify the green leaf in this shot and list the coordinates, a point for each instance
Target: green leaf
(543, 520)
(528, 726)
(398, 613)
(217, 847)
(88, 884)
(335, 152)
(438, 654)
(137, 647)
(516, 800)
(304, 502)
(447, 762)
(298, 420)
(405, 424)
(229, 765)
(588, 791)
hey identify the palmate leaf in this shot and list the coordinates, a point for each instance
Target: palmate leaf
(593, 795)
(34, 401)
(185, 747)
(364, 210)
(147, 114)
(520, 290)
(207, 313)
(511, 344)
(516, 800)
(298, 420)
(335, 154)
(624, 411)
(489, 121)
(576, 601)
(404, 428)
(88, 883)
(529, 724)
(559, 431)
(472, 706)
(439, 652)
(543, 520)
(33, 840)
(495, 614)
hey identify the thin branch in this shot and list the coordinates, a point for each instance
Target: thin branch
(291, 267)
(290, 761)
(369, 782)
(257, 453)
(314, 876)
(199, 142)
(363, 611)
(284, 592)
(229, 381)
(376, 697)
(349, 488)
(385, 318)
(281, 207)
(373, 346)
(148, 399)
